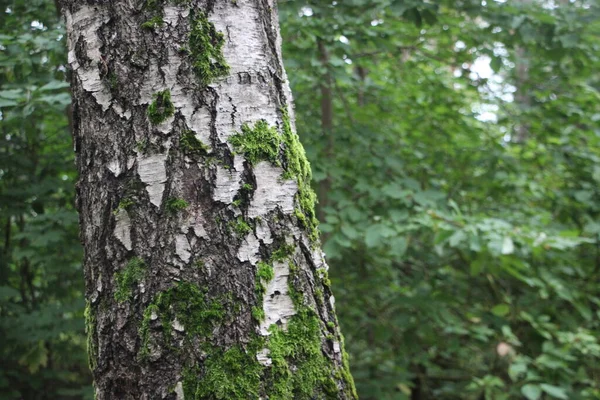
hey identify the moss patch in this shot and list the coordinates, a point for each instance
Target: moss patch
(300, 369)
(230, 374)
(90, 330)
(125, 204)
(240, 226)
(263, 142)
(153, 23)
(297, 167)
(174, 204)
(265, 271)
(190, 144)
(128, 278)
(161, 108)
(191, 307)
(206, 49)
(258, 143)
(283, 252)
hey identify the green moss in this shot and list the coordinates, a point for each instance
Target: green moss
(258, 313)
(142, 146)
(319, 297)
(112, 81)
(125, 204)
(237, 202)
(190, 306)
(324, 275)
(246, 187)
(283, 252)
(144, 330)
(161, 108)
(258, 143)
(240, 226)
(190, 144)
(265, 271)
(300, 369)
(262, 142)
(230, 374)
(174, 204)
(90, 330)
(297, 167)
(206, 49)
(346, 375)
(128, 278)
(153, 23)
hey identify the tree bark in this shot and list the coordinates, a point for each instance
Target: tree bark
(204, 274)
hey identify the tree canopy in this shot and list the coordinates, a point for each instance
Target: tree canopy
(456, 156)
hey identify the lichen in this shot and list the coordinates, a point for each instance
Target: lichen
(161, 108)
(174, 204)
(128, 278)
(190, 144)
(206, 49)
(258, 143)
(90, 330)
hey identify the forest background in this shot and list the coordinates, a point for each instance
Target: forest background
(455, 147)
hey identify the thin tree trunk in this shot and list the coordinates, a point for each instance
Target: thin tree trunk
(326, 88)
(204, 275)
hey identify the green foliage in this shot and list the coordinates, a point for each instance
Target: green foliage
(161, 108)
(128, 278)
(460, 206)
(42, 330)
(206, 49)
(460, 201)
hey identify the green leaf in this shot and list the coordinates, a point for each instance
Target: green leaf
(501, 310)
(531, 391)
(555, 391)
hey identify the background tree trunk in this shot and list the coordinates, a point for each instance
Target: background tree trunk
(204, 274)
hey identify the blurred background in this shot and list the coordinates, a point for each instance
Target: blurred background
(455, 147)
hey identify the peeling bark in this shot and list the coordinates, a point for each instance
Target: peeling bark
(203, 275)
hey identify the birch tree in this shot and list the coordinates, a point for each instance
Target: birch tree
(204, 274)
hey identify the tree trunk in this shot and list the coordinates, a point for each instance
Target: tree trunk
(204, 274)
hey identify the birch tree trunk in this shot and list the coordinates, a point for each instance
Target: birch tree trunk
(204, 274)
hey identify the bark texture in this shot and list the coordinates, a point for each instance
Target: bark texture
(204, 275)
